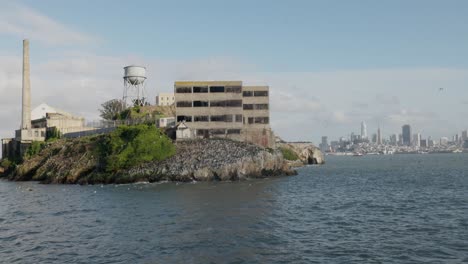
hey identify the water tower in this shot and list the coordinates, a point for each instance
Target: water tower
(134, 86)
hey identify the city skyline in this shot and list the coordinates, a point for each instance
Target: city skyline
(329, 66)
(396, 136)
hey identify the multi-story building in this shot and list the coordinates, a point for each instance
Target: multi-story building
(406, 134)
(165, 99)
(464, 135)
(224, 109)
(417, 140)
(324, 145)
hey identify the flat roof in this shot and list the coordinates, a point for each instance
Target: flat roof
(208, 83)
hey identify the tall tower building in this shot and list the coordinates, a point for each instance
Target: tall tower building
(417, 140)
(26, 105)
(379, 136)
(464, 135)
(363, 130)
(406, 134)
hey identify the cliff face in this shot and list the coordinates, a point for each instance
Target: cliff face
(306, 152)
(64, 161)
(78, 161)
(206, 160)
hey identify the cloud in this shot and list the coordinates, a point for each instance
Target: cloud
(25, 22)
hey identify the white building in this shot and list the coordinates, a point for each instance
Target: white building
(363, 130)
(165, 99)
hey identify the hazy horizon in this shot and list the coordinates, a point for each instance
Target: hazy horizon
(329, 64)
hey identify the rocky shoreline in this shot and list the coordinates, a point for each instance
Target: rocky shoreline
(76, 161)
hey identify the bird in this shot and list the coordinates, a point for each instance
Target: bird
(441, 89)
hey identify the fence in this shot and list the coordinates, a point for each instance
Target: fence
(104, 126)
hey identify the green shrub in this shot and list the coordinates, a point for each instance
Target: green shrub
(6, 164)
(53, 134)
(128, 146)
(34, 148)
(289, 154)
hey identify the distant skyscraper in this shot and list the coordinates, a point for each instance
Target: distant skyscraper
(417, 140)
(374, 138)
(379, 136)
(324, 145)
(464, 135)
(406, 133)
(363, 130)
(393, 139)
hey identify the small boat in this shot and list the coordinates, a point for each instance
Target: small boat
(357, 154)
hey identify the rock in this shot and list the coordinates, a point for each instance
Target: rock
(72, 161)
(306, 151)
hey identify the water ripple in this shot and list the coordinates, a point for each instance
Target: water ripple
(399, 209)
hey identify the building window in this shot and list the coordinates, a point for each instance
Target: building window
(217, 103)
(218, 118)
(36, 133)
(42, 134)
(248, 106)
(251, 120)
(233, 103)
(261, 120)
(261, 107)
(200, 103)
(184, 104)
(184, 118)
(261, 93)
(239, 118)
(247, 93)
(233, 89)
(202, 132)
(184, 90)
(233, 131)
(217, 131)
(216, 89)
(228, 118)
(200, 89)
(200, 119)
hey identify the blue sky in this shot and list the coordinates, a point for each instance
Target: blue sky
(330, 64)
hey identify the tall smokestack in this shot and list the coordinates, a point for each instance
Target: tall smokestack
(26, 107)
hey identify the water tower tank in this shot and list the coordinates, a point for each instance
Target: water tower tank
(135, 74)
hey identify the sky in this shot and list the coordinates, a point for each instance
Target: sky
(330, 64)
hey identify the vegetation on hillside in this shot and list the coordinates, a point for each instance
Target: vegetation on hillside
(289, 154)
(132, 145)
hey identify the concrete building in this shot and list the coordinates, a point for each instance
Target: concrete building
(166, 122)
(417, 140)
(225, 109)
(324, 147)
(379, 136)
(464, 135)
(165, 99)
(406, 134)
(363, 130)
(36, 123)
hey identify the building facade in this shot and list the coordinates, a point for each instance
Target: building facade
(225, 109)
(406, 135)
(165, 99)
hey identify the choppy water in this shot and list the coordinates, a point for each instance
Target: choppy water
(374, 209)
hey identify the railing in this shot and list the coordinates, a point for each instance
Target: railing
(105, 126)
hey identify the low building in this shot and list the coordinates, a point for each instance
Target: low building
(166, 122)
(165, 99)
(225, 109)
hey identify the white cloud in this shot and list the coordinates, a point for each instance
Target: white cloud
(25, 22)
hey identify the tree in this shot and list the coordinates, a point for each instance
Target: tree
(111, 109)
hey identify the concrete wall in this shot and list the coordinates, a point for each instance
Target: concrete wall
(165, 99)
(240, 128)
